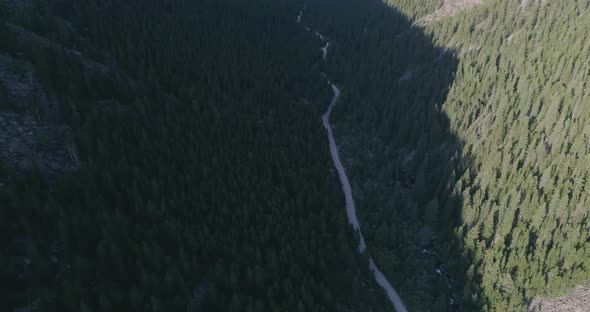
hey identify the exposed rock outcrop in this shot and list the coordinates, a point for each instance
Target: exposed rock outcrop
(26, 144)
(576, 301)
(448, 8)
(26, 141)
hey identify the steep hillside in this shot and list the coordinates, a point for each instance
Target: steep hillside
(478, 142)
(520, 105)
(170, 155)
(195, 171)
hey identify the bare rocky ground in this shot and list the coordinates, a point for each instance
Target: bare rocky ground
(27, 141)
(25, 144)
(31, 134)
(576, 301)
(449, 8)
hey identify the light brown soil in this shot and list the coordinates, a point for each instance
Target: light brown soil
(576, 301)
(449, 8)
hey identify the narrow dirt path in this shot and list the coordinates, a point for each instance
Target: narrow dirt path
(350, 206)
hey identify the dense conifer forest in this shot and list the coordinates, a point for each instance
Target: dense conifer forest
(170, 156)
(204, 182)
(466, 139)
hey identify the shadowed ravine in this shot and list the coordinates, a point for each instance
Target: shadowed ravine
(401, 156)
(350, 206)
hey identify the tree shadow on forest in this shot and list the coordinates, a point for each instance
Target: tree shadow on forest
(401, 155)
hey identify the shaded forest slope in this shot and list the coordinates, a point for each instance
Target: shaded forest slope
(203, 180)
(480, 143)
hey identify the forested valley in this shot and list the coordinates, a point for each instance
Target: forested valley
(203, 178)
(466, 137)
(170, 155)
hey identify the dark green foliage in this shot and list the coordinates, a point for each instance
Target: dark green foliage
(519, 104)
(401, 152)
(482, 148)
(207, 187)
(206, 181)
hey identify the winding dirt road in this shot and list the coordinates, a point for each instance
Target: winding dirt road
(350, 206)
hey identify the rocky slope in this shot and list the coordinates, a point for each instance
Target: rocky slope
(449, 8)
(27, 140)
(577, 301)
